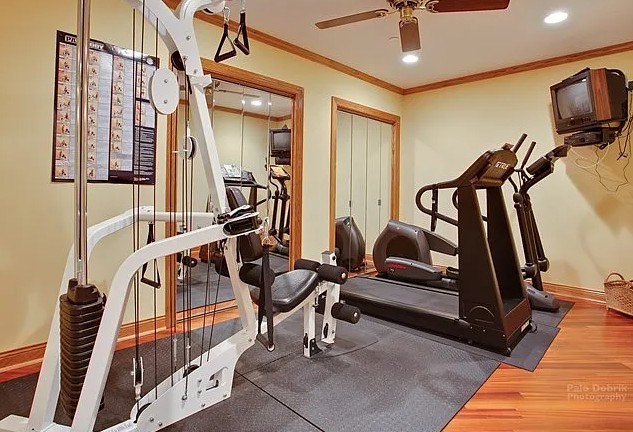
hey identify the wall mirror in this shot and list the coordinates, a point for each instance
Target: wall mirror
(257, 126)
(364, 177)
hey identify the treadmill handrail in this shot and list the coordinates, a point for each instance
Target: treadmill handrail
(433, 213)
(474, 176)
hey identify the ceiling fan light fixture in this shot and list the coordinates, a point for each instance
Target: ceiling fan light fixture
(410, 58)
(556, 17)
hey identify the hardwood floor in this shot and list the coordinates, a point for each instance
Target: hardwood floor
(584, 382)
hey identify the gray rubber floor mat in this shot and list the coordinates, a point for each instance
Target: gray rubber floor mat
(526, 354)
(552, 319)
(247, 410)
(400, 383)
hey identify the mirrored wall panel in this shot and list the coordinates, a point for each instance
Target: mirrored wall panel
(363, 185)
(253, 133)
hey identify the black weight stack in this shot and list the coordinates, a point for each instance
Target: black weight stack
(81, 310)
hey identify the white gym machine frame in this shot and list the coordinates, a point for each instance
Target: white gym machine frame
(212, 382)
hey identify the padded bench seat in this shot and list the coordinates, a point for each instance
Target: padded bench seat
(289, 289)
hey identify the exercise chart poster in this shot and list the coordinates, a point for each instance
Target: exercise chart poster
(121, 125)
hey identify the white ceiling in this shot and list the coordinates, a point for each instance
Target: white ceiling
(453, 44)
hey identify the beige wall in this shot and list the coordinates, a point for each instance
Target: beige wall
(36, 225)
(37, 218)
(587, 231)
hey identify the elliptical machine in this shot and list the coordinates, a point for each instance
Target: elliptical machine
(280, 224)
(535, 259)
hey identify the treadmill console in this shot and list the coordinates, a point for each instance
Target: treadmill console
(233, 175)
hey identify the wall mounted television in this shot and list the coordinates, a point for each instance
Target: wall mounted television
(589, 100)
(280, 142)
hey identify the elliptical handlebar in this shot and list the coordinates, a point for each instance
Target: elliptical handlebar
(519, 143)
(527, 156)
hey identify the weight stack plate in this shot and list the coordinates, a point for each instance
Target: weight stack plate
(81, 311)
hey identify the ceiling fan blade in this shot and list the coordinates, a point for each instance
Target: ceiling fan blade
(467, 5)
(409, 35)
(349, 19)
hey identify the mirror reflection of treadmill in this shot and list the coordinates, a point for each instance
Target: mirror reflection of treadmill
(234, 176)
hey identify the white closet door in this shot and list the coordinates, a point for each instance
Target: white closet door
(343, 164)
(373, 186)
(359, 173)
(384, 211)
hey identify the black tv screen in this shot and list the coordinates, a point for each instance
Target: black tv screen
(280, 142)
(574, 100)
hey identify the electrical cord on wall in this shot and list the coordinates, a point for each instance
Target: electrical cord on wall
(624, 151)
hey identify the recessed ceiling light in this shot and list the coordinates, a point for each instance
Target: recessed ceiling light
(243, 102)
(556, 17)
(270, 104)
(410, 58)
(256, 102)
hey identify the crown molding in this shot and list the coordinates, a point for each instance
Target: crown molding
(318, 58)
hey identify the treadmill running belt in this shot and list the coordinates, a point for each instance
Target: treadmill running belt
(386, 292)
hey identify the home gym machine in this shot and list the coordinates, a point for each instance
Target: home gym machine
(535, 260)
(83, 334)
(490, 307)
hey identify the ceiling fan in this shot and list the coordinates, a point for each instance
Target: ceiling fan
(409, 31)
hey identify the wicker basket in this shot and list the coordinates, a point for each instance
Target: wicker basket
(619, 293)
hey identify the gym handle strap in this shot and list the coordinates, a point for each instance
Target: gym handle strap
(150, 239)
(219, 57)
(243, 44)
(265, 302)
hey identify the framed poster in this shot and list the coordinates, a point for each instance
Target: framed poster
(121, 122)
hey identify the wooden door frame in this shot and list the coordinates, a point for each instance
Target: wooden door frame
(350, 107)
(254, 80)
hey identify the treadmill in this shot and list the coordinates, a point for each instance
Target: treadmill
(233, 176)
(490, 307)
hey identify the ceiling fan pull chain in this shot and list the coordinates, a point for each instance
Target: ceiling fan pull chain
(243, 44)
(219, 57)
